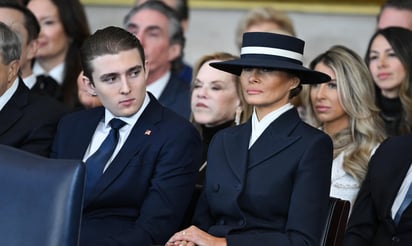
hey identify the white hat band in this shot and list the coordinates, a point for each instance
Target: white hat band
(271, 51)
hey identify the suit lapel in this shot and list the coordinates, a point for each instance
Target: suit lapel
(90, 126)
(396, 167)
(136, 140)
(275, 138)
(11, 111)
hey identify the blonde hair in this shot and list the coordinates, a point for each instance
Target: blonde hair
(264, 14)
(355, 89)
(223, 56)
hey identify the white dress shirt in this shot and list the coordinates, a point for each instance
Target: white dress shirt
(56, 73)
(157, 87)
(258, 127)
(30, 80)
(8, 93)
(402, 192)
(103, 129)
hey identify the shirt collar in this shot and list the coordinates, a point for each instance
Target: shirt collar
(157, 87)
(8, 93)
(56, 73)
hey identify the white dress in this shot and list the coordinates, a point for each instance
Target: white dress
(343, 185)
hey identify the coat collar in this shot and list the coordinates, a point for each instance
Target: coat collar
(274, 139)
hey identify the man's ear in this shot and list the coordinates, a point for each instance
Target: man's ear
(87, 84)
(175, 50)
(14, 67)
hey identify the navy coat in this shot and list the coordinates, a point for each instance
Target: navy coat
(276, 193)
(142, 196)
(371, 221)
(28, 121)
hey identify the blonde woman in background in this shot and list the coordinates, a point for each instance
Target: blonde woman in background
(264, 19)
(345, 109)
(217, 100)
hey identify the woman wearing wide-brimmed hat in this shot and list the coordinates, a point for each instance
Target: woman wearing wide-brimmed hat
(267, 181)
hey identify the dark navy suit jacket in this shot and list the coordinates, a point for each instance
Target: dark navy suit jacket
(28, 121)
(371, 222)
(142, 196)
(276, 193)
(176, 96)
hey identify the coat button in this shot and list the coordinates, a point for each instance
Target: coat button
(241, 222)
(396, 239)
(216, 187)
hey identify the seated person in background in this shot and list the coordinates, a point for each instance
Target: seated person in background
(345, 109)
(158, 28)
(28, 121)
(182, 10)
(217, 101)
(22, 21)
(389, 58)
(264, 19)
(395, 13)
(382, 213)
(267, 181)
(63, 28)
(142, 159)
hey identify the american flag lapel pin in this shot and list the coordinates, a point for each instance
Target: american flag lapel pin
(147, 132)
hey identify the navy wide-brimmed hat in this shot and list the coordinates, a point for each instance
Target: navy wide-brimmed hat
(271, 50)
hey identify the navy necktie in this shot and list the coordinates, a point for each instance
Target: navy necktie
(95, 163)
(404, 205)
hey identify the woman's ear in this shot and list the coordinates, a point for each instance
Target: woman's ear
(295, 83)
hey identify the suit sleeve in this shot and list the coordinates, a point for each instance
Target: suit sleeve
(363, 219)
(40, 139)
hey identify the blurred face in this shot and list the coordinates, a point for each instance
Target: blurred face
(119, 82)
(386, 68)
(214, 97)
(152, 29)
(395, 17)
(15, 20)
(8, 73)
(53, 40)
(326, 103)
(266, 89)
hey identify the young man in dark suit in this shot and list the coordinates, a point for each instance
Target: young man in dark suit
(27, 120)
(382, 213)
(138, 194)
